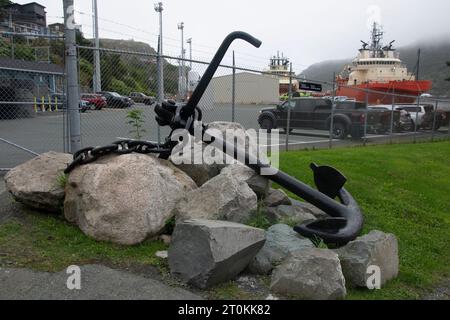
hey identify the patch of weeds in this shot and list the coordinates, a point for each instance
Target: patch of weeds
(170, 226)
(259, 218)
(135, 118)
(319, 243)
(62, 180)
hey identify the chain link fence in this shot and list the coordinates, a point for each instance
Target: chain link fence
(31, 97)
(119, 102)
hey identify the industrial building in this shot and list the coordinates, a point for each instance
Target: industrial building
(251, 88)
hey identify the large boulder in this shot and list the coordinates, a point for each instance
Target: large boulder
(259, 184)
(289, 215)
(206, 253)
(192, 162)
(277, 198)
(310, 274)
(124, 199)
(375, 249)
(225, 197)
(35, 183)
(281, 240)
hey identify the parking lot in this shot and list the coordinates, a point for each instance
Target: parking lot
(45, 132)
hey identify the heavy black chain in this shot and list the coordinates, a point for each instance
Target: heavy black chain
(89, 155)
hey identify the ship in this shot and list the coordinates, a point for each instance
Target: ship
(377, 73)
(279, 67)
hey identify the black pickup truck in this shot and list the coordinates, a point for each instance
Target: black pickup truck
(315, 113)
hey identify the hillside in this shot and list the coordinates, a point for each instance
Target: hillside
(433, 65)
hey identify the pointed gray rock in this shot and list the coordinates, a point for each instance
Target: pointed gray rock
(225, 197)
(205, 253)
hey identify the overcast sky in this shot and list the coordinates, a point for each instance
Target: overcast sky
(306, 31)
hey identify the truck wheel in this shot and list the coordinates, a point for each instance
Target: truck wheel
(339, 131)
(267, 124)
(286, 131)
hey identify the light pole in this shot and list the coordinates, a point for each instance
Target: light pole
(183, 91)
(97, 68)
(159, 8)
(189, 42)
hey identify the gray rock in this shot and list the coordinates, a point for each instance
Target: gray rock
(206, 253)
(375, 249)
(193, 164)
(124, 199)
(307, 207)
(232, 132)
(281, 240)
(224, 197)
(288, 215)
(310, 274)
(35, 183)
(257, 183)
(277, 198)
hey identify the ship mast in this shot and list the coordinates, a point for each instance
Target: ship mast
(377, 38)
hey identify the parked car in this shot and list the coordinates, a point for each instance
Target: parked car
(417, 113)
(96, 100)
(139, 97)
(115, 100)
(61, 98)
(315, 113)
(405, 123)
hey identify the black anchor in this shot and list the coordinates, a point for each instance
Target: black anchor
(346, 219)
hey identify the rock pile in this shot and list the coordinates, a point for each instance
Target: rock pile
(130, 198)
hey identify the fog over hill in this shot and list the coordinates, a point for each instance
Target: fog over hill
(434, 55)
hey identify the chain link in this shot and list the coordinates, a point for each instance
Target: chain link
(91, 154)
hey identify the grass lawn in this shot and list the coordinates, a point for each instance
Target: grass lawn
(402, 189)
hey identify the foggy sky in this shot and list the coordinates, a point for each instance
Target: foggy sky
(305, 31)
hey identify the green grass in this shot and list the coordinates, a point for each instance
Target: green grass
(402, 189)
(48, 243)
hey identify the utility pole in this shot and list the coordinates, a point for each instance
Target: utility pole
(183, 73)
(159, 8)
(418, 64)
(72, 90)
(97, 62)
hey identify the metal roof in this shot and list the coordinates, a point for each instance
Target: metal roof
(30, 66)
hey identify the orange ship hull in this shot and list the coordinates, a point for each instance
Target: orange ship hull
(381, 92)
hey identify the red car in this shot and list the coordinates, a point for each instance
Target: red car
(97, 100)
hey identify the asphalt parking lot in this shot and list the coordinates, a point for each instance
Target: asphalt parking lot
(45, 132)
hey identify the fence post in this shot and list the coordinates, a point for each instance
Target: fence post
(436, 105)
(288, 124)
(233, 92)
(416, 123)
(366, 115)
(333, 106)
(72, 91)
(392, 117)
